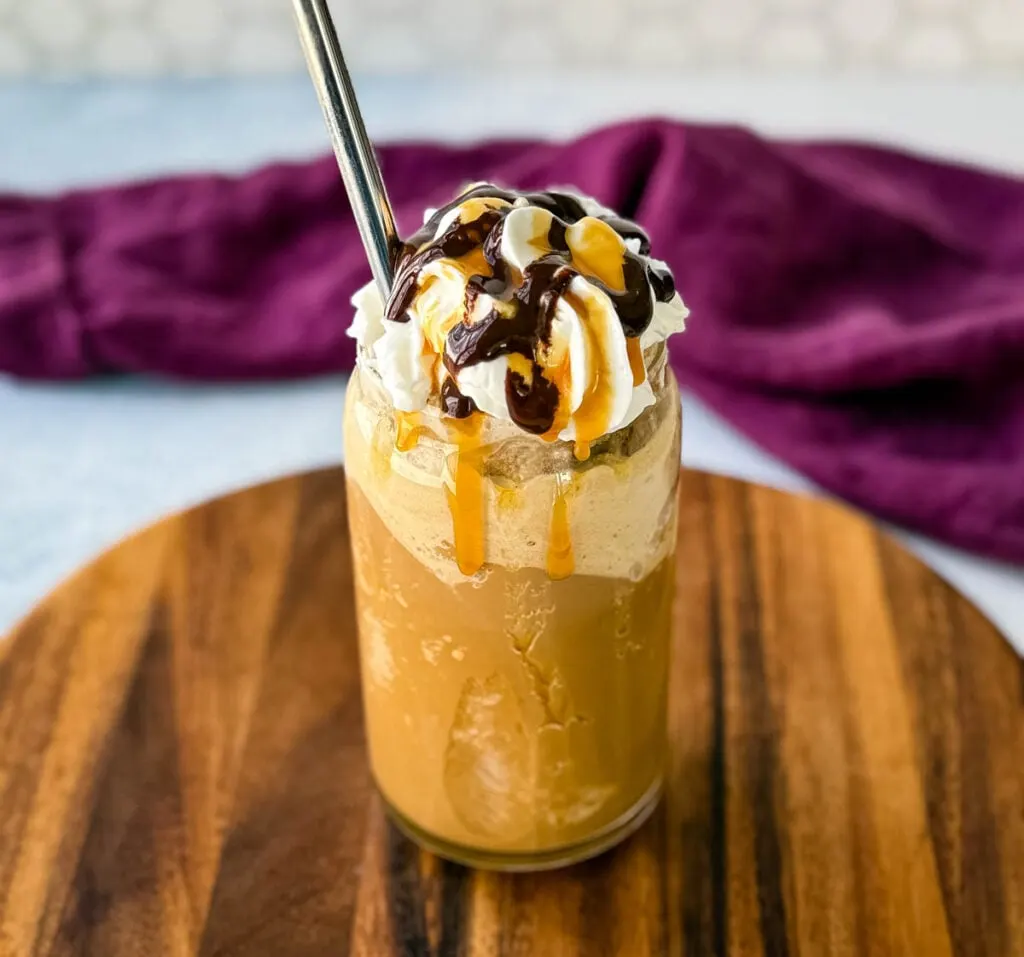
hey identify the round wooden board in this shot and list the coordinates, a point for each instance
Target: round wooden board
(182, 768)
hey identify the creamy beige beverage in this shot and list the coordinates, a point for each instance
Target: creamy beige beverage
(512, 451)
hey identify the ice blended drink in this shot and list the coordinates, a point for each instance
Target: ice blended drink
(512, 441)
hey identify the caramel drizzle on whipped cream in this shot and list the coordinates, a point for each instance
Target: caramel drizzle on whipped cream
(518, 326)
(524, 301)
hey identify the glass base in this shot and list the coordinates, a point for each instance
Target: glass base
(524, 861)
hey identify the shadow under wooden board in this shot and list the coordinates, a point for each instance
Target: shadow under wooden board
(182, 769)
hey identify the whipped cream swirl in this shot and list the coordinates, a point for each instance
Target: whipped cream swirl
(538, 308)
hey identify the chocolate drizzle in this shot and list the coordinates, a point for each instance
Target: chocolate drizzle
(662, 282)
(525, 303)
(493, 335)
(457, 241)
(556, 235)
(533, 403)
(454, 403)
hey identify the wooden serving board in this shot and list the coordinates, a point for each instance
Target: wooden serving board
(182, 768)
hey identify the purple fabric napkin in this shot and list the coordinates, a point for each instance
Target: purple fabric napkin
(858, 312)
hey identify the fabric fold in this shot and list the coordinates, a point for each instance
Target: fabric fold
(40, 326)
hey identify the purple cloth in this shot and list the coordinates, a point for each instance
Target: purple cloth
(856, 311)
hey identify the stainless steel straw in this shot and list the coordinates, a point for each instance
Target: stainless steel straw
(352, 146)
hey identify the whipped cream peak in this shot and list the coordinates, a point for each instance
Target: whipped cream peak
(538, 308)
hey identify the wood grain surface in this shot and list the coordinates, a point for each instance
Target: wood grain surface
(182, 769)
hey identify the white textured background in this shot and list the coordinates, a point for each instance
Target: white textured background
(215, 37)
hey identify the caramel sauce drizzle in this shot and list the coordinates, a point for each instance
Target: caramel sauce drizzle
(474, 207)
(561, 562)
(636, 361)
(561, 376)
(408, 429)
(466, 502)
(598, 252)
(593, 416)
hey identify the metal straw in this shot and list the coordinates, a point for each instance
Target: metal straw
(352, 146)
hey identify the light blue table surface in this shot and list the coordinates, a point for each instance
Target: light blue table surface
(82, 465)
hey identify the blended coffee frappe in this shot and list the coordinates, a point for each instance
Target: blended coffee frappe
(512, 451)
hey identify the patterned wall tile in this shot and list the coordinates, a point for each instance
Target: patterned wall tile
(865, 29)
(793, 42)
(998, 26)
(940, 45)
(725, 28)
(152, 37)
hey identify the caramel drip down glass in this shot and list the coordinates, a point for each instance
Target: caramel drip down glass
(514, 605)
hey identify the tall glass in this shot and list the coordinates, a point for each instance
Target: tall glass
(514, 602)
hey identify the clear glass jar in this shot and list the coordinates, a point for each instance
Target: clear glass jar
(514, 605)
